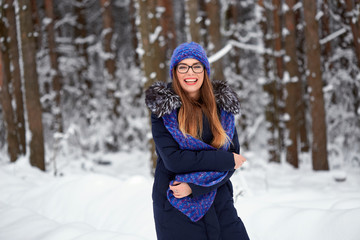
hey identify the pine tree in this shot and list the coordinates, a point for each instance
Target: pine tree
(16, 75)
(5, 94)
(32, 95)
(314, 79)
(54, 71)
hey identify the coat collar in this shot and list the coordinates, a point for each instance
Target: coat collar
(161, 98)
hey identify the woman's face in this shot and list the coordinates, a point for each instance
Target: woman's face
(190, 81)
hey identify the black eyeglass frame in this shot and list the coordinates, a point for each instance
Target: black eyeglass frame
(192, 68)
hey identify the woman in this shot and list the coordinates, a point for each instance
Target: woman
(198, 151)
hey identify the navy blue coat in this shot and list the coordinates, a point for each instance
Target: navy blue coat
(221, 222)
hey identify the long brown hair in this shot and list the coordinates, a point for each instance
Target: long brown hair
(190, 115)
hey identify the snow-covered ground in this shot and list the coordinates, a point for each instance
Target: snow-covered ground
(89, 201)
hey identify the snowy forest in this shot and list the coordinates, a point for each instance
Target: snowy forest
(74, 72)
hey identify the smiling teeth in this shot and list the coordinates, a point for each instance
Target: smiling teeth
(190, 80)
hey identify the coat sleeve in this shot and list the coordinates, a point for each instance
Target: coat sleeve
(199, 190)
(184, 161)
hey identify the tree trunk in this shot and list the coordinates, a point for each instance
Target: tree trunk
(292, 84)
(145, 48)
(192, 10)
(214, 45)
(278, 57)
(354, 28)
(54, 71)
(5, 98)
(134, 39)
(108, 30)
(32, 95)
(302, 108)
(270, 88)
(314, 78)
(147, 62)
(16, 75)
(36, 24)
(81, 43)
(325, 27)
(168, 25)
(107, 33)
(80, 38)
(5, 95)
(277, 37)
(357, 6)
(156, 31)
(232, 19)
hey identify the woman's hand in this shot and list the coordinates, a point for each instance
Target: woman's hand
(180, 189)
(239, 160)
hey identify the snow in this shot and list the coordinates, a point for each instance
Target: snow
(319, 15)
(332, 36)
(220, 53)
(113, 201)
(154, 36)
(75, 206)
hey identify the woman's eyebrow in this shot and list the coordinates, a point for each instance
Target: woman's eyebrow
(188, 64)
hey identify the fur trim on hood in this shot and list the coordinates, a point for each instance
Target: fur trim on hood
(161, 98)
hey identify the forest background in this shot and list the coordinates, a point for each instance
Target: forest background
(74, 74)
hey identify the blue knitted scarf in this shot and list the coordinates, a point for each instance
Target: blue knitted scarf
(196, 207)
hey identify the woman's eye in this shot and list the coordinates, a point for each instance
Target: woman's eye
(197, 67)
(182, 67)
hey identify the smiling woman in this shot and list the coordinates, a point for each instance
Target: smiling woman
(190, 80)
(198, 150)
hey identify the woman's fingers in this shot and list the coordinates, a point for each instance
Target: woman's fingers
(176, 183)
(239, 160)
(180, 190)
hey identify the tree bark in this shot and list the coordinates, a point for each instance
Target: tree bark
(192, 10)
(314, 79)
(277, 38)
(292, 84)
(301, 118)
(168, 25)
(270, 88)
(279, 66)
(357, 6)
(32, 94)
(80, 37)
(5, 95)
(156, 31)
(36, 23)
(214, 45)
(145, 47)
(108, 30)
(134, 39)
(81, 43)
(232, 16)
(325, 27)
(109, 62)
(54, 71)
(16, 76)
(6, 99)
(147, 62)
(354, 28)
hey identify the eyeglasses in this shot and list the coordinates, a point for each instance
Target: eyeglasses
(184, 68)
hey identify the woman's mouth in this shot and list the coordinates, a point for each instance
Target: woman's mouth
(190, 81)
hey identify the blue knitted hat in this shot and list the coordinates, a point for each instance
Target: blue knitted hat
(189, 50)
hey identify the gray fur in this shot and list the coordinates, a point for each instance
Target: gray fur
(161, 98)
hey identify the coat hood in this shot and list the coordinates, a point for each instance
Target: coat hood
(161, 98)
